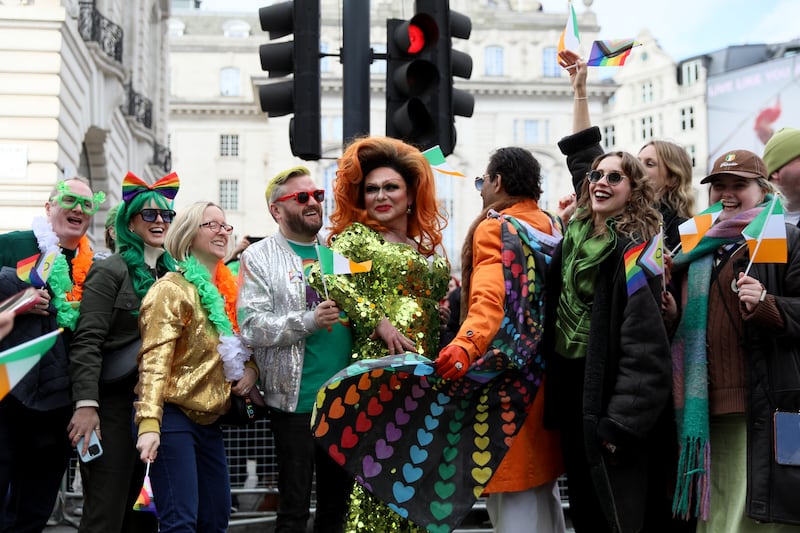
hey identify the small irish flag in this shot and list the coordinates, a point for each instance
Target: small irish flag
(145, 501)
(435, 157)
(693, 229)
(17, 361)
(766, 235)
(570, 38)
(331, 262)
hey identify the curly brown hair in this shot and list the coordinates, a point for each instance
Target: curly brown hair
(426, 220)
(640, 220)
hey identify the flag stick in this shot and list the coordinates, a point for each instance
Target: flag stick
(672, 252)
(147, 469)
(321, 272)
(663, 264)
(761, 235)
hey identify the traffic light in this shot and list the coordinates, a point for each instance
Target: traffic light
(421, 102)
(301, 95)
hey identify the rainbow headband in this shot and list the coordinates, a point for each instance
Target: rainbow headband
(166, 186)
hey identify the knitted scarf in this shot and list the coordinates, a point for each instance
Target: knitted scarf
(690, 367)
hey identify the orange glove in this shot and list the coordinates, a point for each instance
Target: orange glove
(453, 362)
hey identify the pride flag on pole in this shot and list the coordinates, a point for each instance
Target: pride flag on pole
(17, 361)
(435, 157)
(570, 38)
(145, 501)
(766, 235)
(331, 262)
(693, 229)
(634, 275)
(610, 53)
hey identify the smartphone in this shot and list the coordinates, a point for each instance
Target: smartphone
(21, 302)
(94, 450)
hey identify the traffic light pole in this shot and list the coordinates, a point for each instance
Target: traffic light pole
(356, 58)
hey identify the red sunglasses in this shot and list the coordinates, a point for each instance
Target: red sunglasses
(302, 197)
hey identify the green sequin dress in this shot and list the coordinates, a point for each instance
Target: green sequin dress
(405, 287)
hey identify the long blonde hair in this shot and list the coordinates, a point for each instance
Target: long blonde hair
(676, 193)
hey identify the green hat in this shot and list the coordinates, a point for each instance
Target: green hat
(111, 216)
(782, 147)
(281, 178)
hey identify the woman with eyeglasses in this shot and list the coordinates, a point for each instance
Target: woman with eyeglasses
(191, 359)
(386, 212)
(103, 353)
(608, 370)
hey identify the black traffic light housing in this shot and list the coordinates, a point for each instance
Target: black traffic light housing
(301, 95)
(421, 102)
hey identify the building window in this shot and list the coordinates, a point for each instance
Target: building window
(230, 82)
(647, 92)
(648, 131)
(690, 72)
(493, 61)
(692, 151)
(687, 118)
(550, 66)
(229, 195)
(530, 131)
(378, 66)
(609, 137)
(175, 28)
(331, 129)
(229, 145)
(236, 29)
(324, 61)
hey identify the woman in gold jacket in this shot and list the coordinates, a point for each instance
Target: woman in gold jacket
(191, 359)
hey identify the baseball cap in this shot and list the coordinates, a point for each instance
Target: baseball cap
(781, 148)
(742, 163)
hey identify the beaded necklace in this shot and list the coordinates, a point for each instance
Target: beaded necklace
(67, 292)
(219, 301)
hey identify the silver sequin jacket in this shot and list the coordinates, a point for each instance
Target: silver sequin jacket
(273, 318)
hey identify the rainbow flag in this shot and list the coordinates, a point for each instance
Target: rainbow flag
(611, 53)
(435, 157)
(766, 235)
(19, 360)
(693, 229)
(570, 38)
(25, 266)
(634, 275)
(651, 260)
(332, 263)
(145, 501)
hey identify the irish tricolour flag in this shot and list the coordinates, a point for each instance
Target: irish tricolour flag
(693, 229)
(17, 361)
(331, 262)
(766, 235)
(435, 157)
(570, 38)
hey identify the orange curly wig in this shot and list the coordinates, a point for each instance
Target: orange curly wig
(362, 156)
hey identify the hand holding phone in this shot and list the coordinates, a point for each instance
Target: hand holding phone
(94, 450)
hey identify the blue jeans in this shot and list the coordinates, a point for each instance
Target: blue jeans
(298, 456)
(189, 477)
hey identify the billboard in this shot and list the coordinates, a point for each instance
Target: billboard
(747, 105)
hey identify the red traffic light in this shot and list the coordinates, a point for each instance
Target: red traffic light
(416, 39)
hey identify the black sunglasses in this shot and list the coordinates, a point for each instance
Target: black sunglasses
(303, 196)
(613, 178)
(150, 215)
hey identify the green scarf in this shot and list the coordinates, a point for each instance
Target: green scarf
(582, 252)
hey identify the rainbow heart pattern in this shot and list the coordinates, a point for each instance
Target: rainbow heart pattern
(425, 446)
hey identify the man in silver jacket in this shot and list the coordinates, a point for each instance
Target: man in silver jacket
(300, 340)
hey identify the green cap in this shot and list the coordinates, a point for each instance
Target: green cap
(782, 147)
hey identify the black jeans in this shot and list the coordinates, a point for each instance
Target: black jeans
(298, 456)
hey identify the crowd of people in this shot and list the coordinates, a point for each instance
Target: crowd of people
(660, 402)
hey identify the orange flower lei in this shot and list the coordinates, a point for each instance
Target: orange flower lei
(81, 264)
(228, 287)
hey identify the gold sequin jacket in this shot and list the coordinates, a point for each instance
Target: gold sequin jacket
(178, 361)
(274, 318)
(403, 285)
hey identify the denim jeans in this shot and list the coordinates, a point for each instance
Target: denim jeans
(189, 477)
(298, 456)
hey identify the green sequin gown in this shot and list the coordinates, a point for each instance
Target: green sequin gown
(405, 287)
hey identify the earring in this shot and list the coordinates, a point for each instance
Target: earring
(408, 210)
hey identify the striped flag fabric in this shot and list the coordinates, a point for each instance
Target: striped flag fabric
(693, 229)
(766, 235)
(145, 501)
(651, 260)
(570, 38)
(331, 262)
(439, 164)
(19, 360)
(634, 275)
(610, 53)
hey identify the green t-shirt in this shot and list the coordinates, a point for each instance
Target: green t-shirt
(327, 350)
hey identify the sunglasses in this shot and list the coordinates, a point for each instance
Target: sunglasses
(479, 182)
(150, 215)
(613, 178)
(68, 201)
(216, 227)
(302, 197)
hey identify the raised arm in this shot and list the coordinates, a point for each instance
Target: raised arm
(576, 67)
